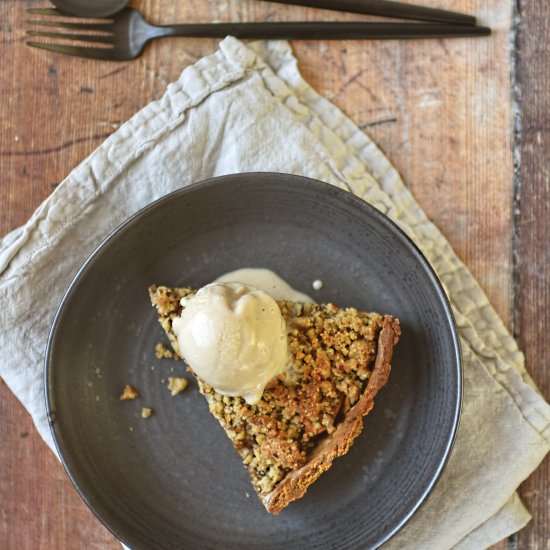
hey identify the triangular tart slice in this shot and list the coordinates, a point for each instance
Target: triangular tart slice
(310, 414)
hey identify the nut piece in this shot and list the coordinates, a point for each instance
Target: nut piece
(129, 393)
(146, 412)
(176, 385)
(162, 352)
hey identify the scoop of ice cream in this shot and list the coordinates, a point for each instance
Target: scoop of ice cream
(234, 338)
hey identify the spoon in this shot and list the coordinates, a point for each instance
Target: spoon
(90, 8)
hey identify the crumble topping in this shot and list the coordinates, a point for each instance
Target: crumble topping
(333, 352)
(162, 352)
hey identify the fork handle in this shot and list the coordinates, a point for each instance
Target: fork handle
(321, 30)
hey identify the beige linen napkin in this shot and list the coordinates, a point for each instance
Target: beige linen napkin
(246, 108)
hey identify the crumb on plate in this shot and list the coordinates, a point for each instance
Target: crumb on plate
(129, 393)
(146, 412)
(176, 385)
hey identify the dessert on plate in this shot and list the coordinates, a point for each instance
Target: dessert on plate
(288, 381)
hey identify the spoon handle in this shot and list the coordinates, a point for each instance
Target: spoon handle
(386, 9)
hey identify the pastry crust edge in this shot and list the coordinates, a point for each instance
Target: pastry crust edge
(295, 484)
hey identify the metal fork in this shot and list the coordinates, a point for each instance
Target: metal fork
(124, 35)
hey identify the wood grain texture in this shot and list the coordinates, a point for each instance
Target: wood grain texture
(532, 249)
(440, 109)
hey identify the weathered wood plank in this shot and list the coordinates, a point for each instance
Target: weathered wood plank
(532, 249)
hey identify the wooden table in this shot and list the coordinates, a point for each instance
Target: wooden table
(443, 112)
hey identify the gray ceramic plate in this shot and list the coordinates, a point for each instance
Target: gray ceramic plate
(174, 480)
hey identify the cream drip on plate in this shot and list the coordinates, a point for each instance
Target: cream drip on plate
(265, 280)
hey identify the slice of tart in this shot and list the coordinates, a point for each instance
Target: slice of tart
(312, 412)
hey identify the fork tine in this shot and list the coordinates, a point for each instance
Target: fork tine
(106, 54)
(103, 27)
(58, 13)
(66, 36)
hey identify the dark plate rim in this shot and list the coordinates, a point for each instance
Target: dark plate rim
(259, 178)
